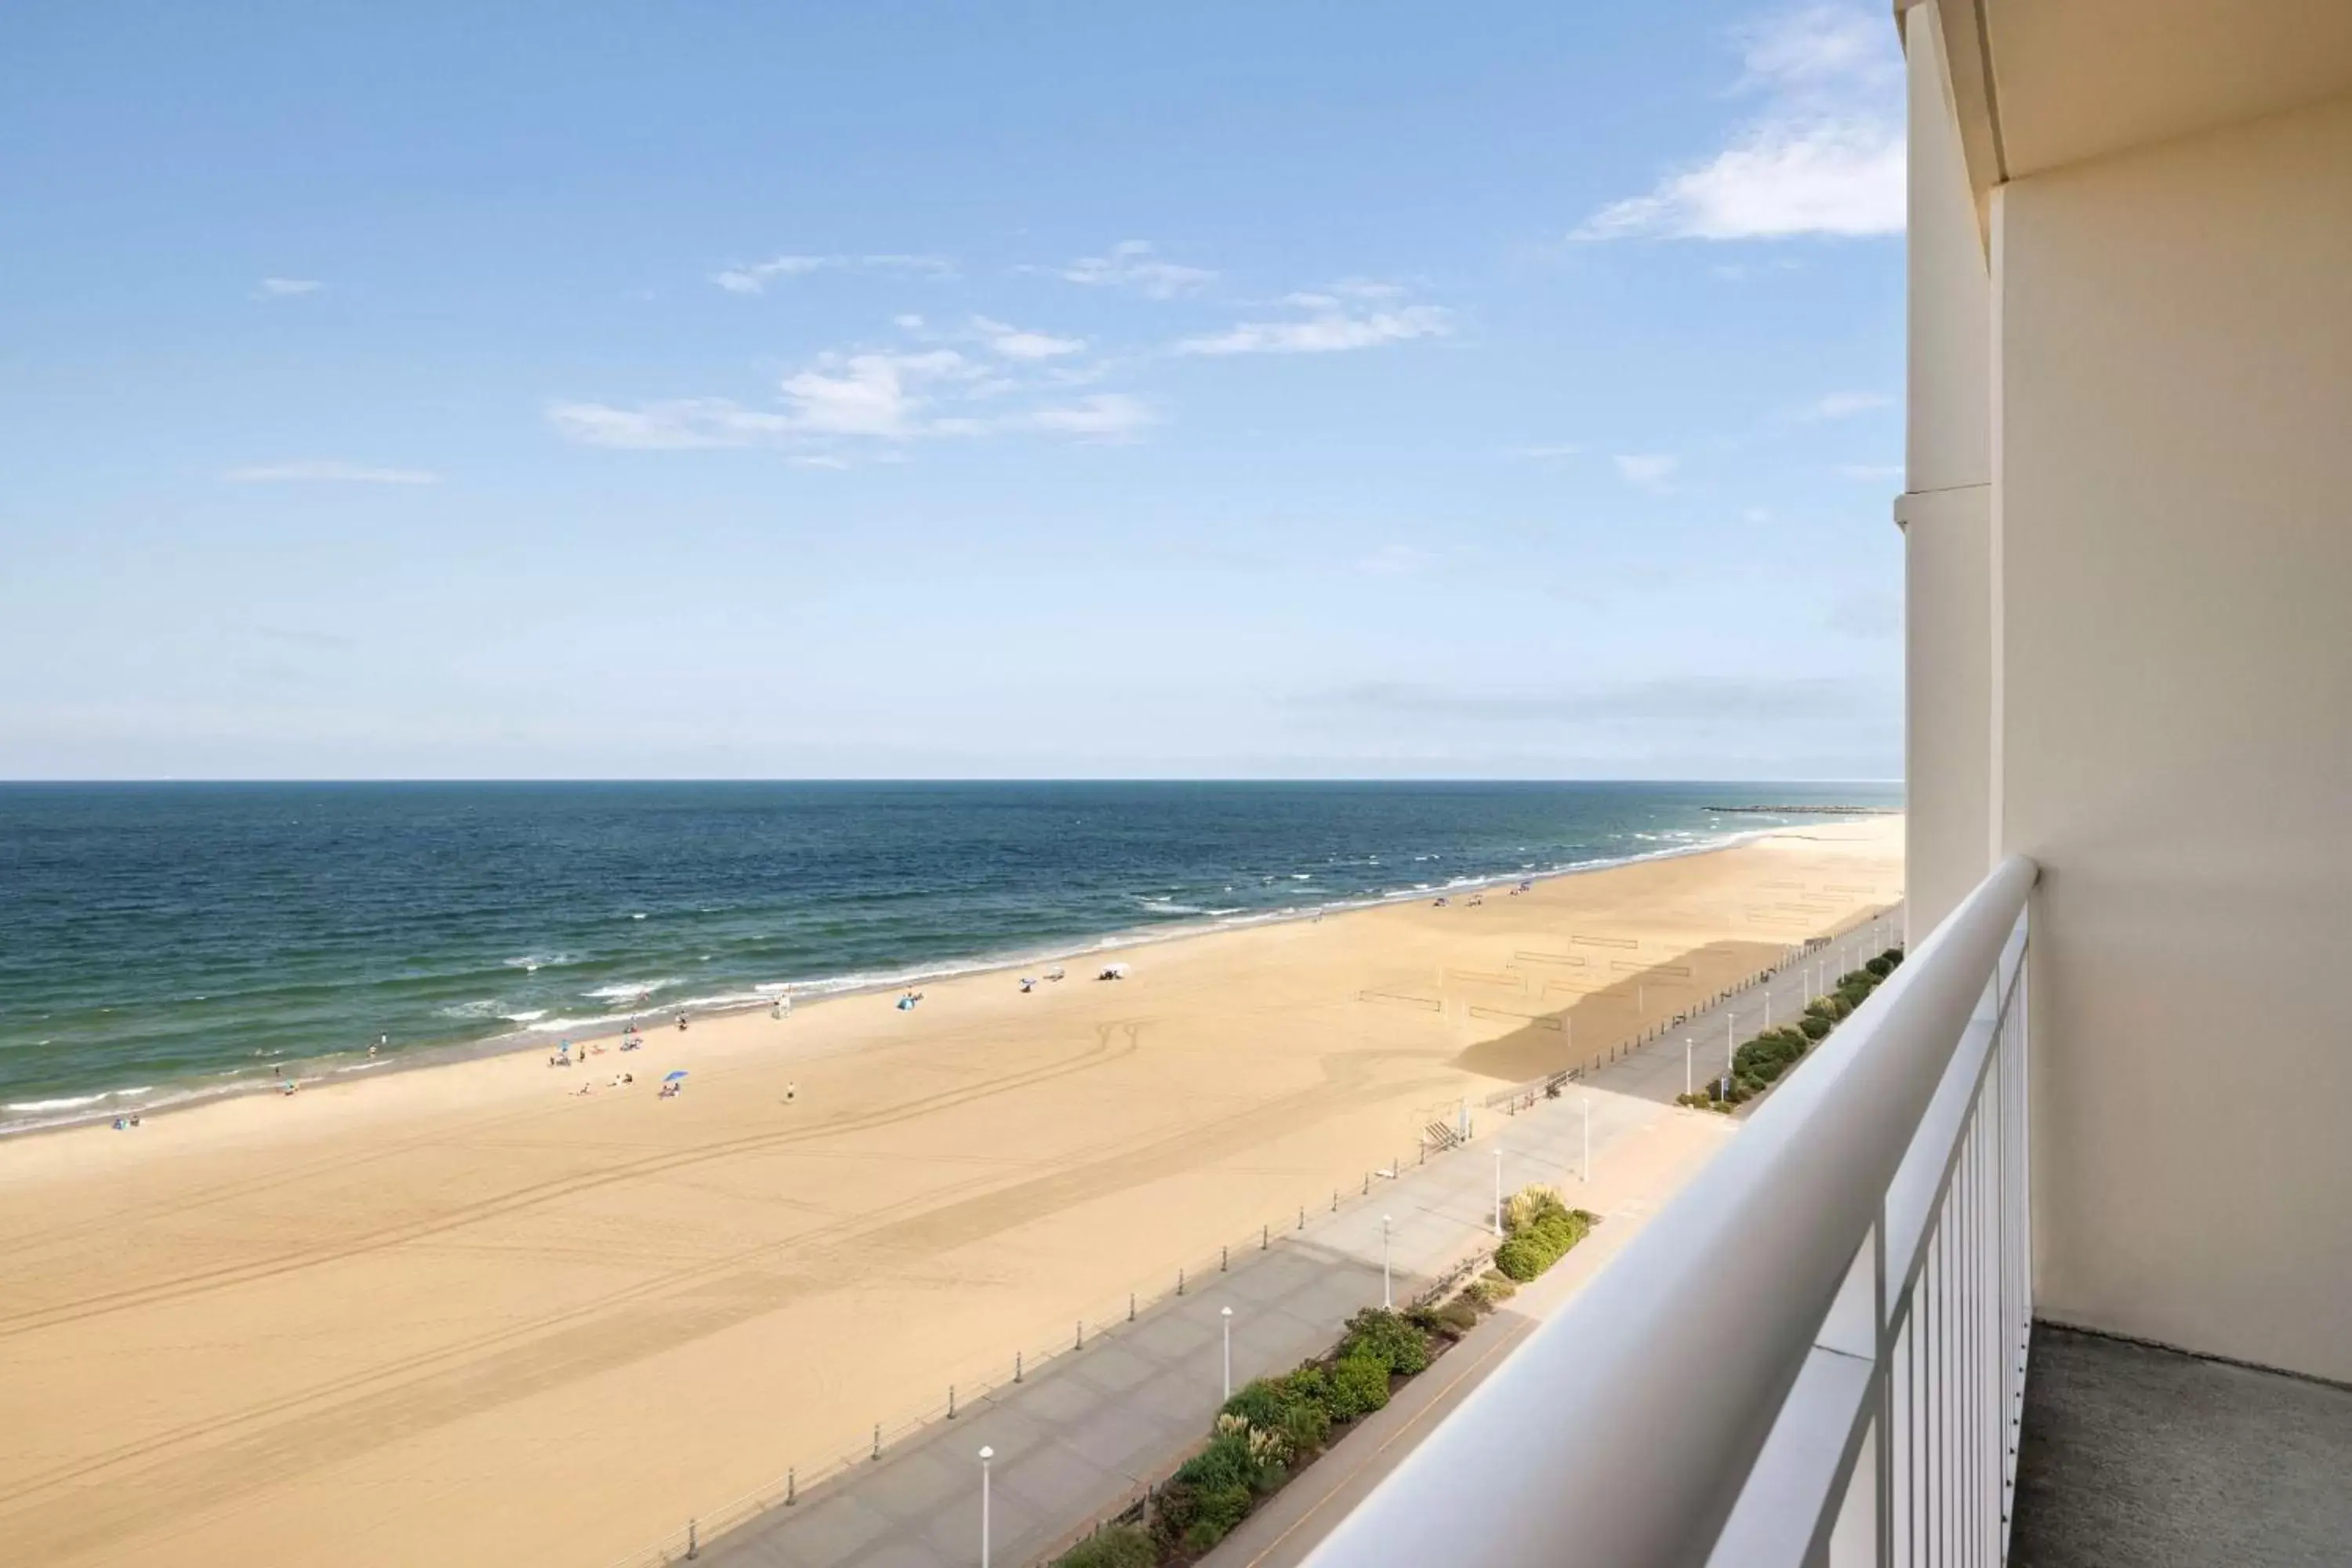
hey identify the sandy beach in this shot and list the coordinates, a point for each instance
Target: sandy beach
(468, 1315)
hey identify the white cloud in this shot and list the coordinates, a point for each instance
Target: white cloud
(1131, 264)
(672, 424)
(882, 399)
(1012, 342)
(1647, 470)
(1844, 405)
(910, 321)
(1104, 416)
(867, 394)
(324, 470)
(1331, 326)
(287, 288)
(754, 277)
(1824, 156)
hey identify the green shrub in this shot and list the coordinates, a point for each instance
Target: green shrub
(1537, 1241)
(1459, 1317)
(1311, 1384)
(1292, 1409)
(1226, 1462)
(1174, 1507)
(1359, 1387)
(1379, 1334)
(1260, 1401)
(1307, 1426)
(1215, 1517)
(1520, 1258)
(1814, 1026)
(1491, 1290)
(1122, 1547)
(1893, 956)
(1880, 968)
(1423, 1318)
(1529, 1203)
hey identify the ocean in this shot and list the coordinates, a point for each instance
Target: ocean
(166, 942)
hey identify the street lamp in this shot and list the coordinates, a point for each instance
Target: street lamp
(1498, 1189)
(1387, 1300)
(1228, 1314)
(985, 1456)
(1686, 1064)
(1585, 1100)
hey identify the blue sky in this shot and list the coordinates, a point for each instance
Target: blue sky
(915, 389)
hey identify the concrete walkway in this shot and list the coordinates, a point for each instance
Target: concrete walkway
(1075, 1441)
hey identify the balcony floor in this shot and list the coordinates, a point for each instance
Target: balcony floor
(2133, 1455)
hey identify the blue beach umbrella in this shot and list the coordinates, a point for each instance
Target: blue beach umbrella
(674, 1077)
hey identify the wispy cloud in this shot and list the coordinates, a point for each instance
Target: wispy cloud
(1651, 472)
(753, 278)
(324, 470)
(1103, 416)
(1824, 155)
(1355, 314)
(1844, 405)
(1133, 265)
(287, 288)
(872, 400)
(1012, 342)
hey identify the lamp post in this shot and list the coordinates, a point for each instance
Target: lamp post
(1498, 1189)
(985, 1456)
(1585, 1103)
(1387, 1300)
(1228, 1313)
(1686, 1064)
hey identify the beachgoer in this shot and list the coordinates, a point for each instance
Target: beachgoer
(1028, 986)
(120, 1125)
(791, 1092)
(681, 1021)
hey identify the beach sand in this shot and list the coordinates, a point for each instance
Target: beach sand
(464, 1315)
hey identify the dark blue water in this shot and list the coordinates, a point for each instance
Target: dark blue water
(175, 939)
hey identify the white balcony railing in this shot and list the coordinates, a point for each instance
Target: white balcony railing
(1816, 1355)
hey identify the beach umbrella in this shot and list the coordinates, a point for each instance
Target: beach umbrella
(674, 1077)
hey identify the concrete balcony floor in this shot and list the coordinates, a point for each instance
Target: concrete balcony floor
(2134, 1456)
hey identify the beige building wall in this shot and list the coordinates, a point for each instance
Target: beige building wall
(2173, 443)
(1945, 511)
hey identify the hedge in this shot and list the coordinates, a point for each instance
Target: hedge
(1540, 1229)
(1360, 1385)
(1761, 1062)
(1379, 1334)
(1122, 1546)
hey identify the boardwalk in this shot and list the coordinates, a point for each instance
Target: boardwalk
(1075, 1441)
